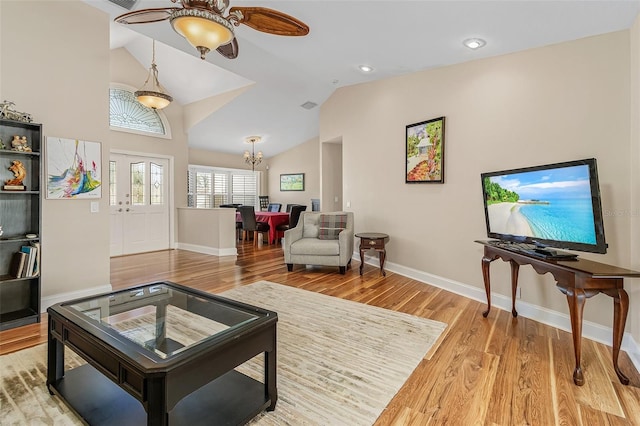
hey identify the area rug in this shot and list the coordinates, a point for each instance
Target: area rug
(339, 362)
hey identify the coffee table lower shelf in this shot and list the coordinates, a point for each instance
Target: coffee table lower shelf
(231, 399)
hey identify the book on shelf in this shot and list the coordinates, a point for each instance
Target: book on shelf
(31, 258)
(36, 263)
(16, 269)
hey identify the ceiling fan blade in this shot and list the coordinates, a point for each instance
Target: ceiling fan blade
(144, 16)
(271, 21)
(229, 50)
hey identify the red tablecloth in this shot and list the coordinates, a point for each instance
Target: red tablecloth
(273, 219)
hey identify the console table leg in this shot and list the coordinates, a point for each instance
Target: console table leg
(383, 256)
(486, 262)
(620, 310)
(514, 286)
(576, 299)
(361, 259)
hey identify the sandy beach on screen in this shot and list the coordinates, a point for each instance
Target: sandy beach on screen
(505, 218)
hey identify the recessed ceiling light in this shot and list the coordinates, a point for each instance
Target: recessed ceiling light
(474, 43)
(365, 68)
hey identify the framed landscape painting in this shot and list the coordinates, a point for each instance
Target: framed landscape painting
(425, 152)
(292, 182)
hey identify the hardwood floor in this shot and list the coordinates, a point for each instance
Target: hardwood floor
(494, 371)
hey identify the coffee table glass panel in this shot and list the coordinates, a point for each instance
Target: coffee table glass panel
(172, 348)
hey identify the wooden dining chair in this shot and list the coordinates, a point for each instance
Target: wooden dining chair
(264, 202)
(250, 224)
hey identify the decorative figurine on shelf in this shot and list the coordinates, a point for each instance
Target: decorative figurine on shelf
(19, 175)
(2, 145)
(9, 114)
(20, 144)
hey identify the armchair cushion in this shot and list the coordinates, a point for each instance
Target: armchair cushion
(331, 225)
(310, 222)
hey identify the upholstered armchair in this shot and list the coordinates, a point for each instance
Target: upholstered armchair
(320, 239)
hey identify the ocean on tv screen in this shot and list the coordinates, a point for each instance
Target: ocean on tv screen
(551, 206)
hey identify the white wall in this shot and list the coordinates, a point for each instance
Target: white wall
(55, 65)
(556, 103)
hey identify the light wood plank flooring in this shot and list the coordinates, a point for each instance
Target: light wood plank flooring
(494, 371)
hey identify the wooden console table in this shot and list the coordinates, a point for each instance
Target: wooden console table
(578, 280)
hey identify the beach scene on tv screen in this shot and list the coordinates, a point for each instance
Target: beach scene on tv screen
(553, 204)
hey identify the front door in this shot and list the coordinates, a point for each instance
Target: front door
(139, 203)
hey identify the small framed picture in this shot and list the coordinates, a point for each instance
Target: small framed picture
(425, 152)
(292, 182)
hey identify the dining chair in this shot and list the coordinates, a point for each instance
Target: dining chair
(274, 207)
(250, 224)
(264, 202)
(294, 217)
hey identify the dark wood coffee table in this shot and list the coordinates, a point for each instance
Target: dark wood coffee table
(160, 354)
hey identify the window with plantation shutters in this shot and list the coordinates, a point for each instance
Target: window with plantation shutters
(211, 187)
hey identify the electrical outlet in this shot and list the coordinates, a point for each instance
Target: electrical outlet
(519, 293)
(95, 207)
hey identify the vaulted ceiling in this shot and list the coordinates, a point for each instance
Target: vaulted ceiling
(261, 91)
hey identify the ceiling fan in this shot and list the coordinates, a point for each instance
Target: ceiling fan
(202, 23)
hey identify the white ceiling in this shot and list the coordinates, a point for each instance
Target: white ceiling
(394, 37)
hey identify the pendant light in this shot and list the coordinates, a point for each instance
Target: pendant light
(152, 94)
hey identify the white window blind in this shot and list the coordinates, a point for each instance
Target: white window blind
(211, 187)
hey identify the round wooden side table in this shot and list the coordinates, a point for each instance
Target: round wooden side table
(373, 241)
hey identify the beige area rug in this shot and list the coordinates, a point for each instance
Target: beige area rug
(339, 362)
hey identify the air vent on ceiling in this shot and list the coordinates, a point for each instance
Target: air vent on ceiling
(309, 105)
(127, 4)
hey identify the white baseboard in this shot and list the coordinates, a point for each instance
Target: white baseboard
(72, 295)
(590, 330)
(208, 250)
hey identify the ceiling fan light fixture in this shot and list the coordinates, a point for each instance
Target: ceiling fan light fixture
(204, 30)
(152, 94)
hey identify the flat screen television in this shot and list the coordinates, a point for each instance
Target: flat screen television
(553, 205)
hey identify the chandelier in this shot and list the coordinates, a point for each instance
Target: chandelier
(251, 157)
(153, 95)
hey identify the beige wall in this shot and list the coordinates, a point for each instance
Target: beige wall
(55, 65)
(557, 103)
(634, 288)
(209, 231)
(300, 159)
(331, 200)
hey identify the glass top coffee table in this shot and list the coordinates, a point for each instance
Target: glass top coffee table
(160, 354)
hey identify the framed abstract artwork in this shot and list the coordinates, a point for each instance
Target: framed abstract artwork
(425, 152)
(74, 169)
(292, 182)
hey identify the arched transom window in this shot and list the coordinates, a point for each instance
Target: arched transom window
(128, 115)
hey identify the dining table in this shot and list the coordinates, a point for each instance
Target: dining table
(273, 219)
